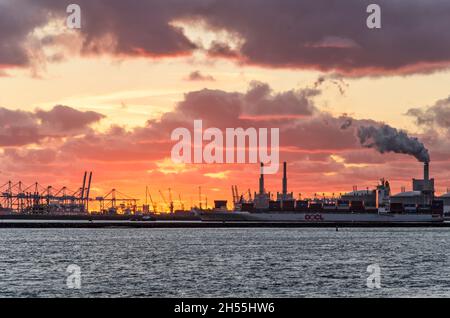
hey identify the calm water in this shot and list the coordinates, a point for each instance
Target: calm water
(224, 262)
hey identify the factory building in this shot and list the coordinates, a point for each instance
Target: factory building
(369, 197)
(422, 192)
(408, 197)
(376, 198)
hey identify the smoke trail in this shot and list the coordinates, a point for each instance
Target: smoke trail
(388, 139)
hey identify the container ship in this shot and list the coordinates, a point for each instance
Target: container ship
(359, 206)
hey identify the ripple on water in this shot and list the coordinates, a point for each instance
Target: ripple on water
(224, 262)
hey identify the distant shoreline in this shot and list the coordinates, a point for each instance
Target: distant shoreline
(199, 224)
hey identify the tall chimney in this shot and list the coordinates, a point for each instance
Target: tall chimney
(284, 180)
(426, 171)
(261, 180)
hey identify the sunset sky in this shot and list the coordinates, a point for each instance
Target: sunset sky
(106, 97)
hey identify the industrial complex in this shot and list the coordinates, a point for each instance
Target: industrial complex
(376, 205)
(35, 199)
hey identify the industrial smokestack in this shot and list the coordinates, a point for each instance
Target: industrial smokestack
(284, 180)
(261, 180)
(426, 170)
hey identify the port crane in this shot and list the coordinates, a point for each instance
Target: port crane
(181, 202)
(239, 198)
(170, 201)
(109, 202)
(233, 194)
(153, 203)
(148, 194)
(38, 199)
(164, 199)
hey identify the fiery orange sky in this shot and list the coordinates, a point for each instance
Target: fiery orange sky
(106, 97)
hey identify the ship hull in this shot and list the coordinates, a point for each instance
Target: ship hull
(318, 217)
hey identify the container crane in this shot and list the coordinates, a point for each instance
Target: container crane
(147, 194)
(108, 202)
(163, 197)
(181, 202)
(170, 201)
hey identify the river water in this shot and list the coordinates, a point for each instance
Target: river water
(246, 262)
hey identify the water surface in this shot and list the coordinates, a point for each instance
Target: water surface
(252, 262)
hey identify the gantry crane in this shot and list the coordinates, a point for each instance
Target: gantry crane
(148, 194)
(164, 198)
(37, 199)
(108, 202)
(181, 202)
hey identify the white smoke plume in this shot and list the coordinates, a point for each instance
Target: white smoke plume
(388, 139)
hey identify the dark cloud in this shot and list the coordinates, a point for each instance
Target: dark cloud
(333, 35)
(137, 27)
(218, 108)
(310, 34)
(66, 119)
(18, 128)
(436, 115)
(131, 28)
(260, 101)
(221, 49)
(17, 19)
(38, 156)
(228, 109)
